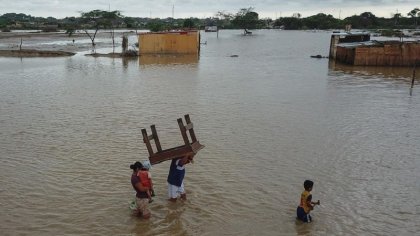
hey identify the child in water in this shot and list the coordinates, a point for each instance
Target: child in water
(306, 205)
(146, 179)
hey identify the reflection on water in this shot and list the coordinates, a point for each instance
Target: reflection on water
(126, 61)
(382, 71)
(167, 59)
(270, 118)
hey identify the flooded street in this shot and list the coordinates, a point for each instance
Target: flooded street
(269, 118)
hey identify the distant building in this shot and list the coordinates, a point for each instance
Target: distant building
(210, 28)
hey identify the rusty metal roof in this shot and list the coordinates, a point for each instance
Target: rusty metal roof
(372, 43)
(351, 33)
(171, 32)
(358, 44)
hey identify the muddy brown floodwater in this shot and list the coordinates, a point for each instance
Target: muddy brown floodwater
(269, 117)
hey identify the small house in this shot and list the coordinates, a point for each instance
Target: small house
(169, 42)
(359, 50)
(346, 37)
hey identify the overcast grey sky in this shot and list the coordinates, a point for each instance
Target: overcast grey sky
(208, 8)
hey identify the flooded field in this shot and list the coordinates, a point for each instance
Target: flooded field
(269, 118)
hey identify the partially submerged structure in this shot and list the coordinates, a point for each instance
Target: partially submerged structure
(210, 28)
(169, 42)
(358, 49)
(166, 59)
(189, 148)
(338, 38)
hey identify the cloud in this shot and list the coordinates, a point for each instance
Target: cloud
(205, 8)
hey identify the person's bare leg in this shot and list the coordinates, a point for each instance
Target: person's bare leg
(149, 195)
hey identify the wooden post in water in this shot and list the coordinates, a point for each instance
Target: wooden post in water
(124, 43)
(414, 77)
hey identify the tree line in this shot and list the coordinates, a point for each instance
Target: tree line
(245, 18)
(366, 20)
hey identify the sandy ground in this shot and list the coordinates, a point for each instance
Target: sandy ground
(59, 41)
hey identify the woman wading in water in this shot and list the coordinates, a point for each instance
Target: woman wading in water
(142, 198)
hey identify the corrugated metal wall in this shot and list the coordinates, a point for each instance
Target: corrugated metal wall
(345, 55)
(393, 54)
(168, 43)
(165, 59)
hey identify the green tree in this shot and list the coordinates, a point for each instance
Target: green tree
(130, 22)
(266, 23)
(155, 26)
(289, 23)
(414, 14)
(224, 19)
(246, 19)
(365, 20)
(3, 23)
(188, 23)
(321, 21)
(69, 24)
(368, 19)
(97, 20)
